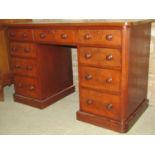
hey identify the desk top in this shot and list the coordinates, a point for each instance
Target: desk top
(79, 23)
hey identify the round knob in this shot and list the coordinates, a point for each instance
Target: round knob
(42, 35)
(28, 67)
(26, 50)
(19, 84)
(87, 37)
(17, 66)
(88, 77)
(24, 35)
(109, 80)
(109, 57)
(12, 34)
(88, 55)
(89, 101)
(109, 106)
(64, 36)
(13, 49)
(109, 37)
(31, 87)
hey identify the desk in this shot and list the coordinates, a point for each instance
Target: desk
(113, 61)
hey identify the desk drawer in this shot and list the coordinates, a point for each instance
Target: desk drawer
(103, 37)
(100, 57)
(44, 34)
(27, 87)
(20, 34)
(23, 49)
(102, 79)
(100, 104)
(65, 36)
(24, 67)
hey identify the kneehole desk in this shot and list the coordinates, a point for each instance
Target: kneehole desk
(113, 61)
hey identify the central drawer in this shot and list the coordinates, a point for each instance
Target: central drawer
(65, 36)
(26, 67)
(100, 103)
(55, 35)
(102, 79)
(44, 35)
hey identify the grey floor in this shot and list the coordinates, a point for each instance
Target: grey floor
(58, 119)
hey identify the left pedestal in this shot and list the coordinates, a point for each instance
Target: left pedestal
(42, 73)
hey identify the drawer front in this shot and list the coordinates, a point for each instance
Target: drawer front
(65, 36)
(24, 67)
(102, 79)
(103, 37)
(26, 87)
(100, 57)
(44, 35)
(100, 104)
(23, 49)
(20, 34)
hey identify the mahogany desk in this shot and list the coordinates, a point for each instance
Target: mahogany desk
(113, 61)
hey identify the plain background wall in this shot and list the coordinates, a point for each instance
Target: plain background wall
(151, 85)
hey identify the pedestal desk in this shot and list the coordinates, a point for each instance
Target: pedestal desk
(113, 61)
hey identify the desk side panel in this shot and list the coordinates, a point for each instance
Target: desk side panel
(139, 49)
(55, 69)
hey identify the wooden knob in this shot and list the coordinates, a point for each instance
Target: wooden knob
(64, 36)
(29, 67)
(109, 80)
(109, 57)
(42, 35)
(87, 37)
(17, 66)
(31, 87)
(89, 102)
(26, 50)
(88, 55)
(12, 34)
(13, 49)
(109, 106)
(24, 35)
(109, 37)
(88, 77)
(19, 84)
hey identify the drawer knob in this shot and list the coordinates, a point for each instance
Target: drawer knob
(87, 36)
(88, 55)
(88, 77)
(109, 57)
(42, 35)
(90, 102)
(31, 87)
(109, 80)
(24, 35)
(14, 49)
(17, 66)
(12, 34)
(29, 68)
(26, 50)
(19, 85)
(109, 37)
(109, 106)
(64, 36)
